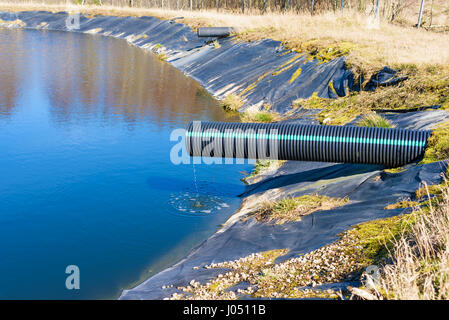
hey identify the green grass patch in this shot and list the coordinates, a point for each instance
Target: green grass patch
(292, 209)
(432, 190)
(377, 237)
(395, 170)
(260, 116)
(260, 166)
(438, 144)
(375, 121)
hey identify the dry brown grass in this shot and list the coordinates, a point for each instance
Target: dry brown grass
(372, 45)
(426, 86)
(232, 103)
(435, 15)
(420, 258)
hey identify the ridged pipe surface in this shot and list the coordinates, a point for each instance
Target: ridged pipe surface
(214, 31)
(284, 141)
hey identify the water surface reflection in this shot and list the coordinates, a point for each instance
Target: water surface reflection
(85, 174)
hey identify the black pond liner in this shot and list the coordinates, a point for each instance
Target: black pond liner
(284, 141)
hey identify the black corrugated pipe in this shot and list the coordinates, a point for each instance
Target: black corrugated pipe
(218, 32)
(284, 141)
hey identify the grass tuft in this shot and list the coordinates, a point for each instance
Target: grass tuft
(374, 120)
(216, 44)
(259, 116)
(292, 209)
(260, 166)
(402, 204)
(232, 103)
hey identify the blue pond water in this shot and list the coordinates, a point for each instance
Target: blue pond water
(85, 172)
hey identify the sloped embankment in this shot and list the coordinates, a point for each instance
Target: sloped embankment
(264, 74)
